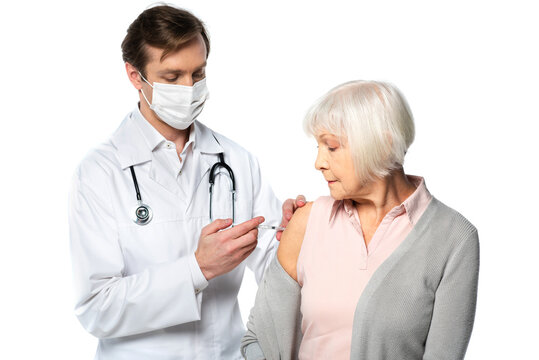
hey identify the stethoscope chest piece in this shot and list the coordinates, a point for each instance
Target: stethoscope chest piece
(142, 214)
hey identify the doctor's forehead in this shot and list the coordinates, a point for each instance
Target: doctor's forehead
(189, 57)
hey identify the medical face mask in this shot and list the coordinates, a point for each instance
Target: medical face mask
(177, 105)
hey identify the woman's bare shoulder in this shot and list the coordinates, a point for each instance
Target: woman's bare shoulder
(292, 238)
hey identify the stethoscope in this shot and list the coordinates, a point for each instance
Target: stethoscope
(222, 164)
(143, 213)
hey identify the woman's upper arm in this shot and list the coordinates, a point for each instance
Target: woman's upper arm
(454, 307)
(291, 240)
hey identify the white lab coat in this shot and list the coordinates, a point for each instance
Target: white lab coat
(139, 288)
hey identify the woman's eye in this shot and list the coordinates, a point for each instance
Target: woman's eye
(328, 147)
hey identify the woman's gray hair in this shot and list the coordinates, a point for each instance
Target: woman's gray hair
(372, 118)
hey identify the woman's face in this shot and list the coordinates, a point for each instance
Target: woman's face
(335, 162)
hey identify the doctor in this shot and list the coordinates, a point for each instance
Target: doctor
(155, 277)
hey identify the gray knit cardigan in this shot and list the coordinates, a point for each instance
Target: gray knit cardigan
(418, 305)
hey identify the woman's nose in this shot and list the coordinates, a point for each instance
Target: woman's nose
(320, 162)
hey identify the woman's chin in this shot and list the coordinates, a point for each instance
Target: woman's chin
(336, 195)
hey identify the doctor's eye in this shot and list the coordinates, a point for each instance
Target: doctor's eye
(173, 79)
(199, 76)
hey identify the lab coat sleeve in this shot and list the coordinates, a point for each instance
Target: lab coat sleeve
(454, 305)
(108, 303)
(266, 204)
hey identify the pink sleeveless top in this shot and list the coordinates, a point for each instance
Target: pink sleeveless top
(335, 265)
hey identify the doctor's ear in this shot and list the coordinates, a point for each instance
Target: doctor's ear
(133, 75)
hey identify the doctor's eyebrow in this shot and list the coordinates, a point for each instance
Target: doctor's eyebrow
(179, 71)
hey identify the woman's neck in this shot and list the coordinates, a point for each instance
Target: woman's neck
(382, 195)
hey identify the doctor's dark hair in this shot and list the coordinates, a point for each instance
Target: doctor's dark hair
(164, 27)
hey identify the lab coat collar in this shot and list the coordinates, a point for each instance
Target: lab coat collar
(136, 139)
(206, 142)
(152, 137)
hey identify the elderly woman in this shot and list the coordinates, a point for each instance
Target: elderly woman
(378, 270)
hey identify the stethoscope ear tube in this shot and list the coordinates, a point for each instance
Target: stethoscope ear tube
(221, 164)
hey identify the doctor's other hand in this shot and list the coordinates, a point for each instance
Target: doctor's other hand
(220, 251)
(289, 208)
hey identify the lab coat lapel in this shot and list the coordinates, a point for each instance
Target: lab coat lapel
(200, 176)
(165, 175)
(205, 155)
(137, 142)
(131, 146)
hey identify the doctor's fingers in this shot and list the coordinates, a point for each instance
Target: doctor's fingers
(215, 226)
(243, 228)
(300, 201)
(247, 240)
(289, 208)
(247, 250)
(240, 248)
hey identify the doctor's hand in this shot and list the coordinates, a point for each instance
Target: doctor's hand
(220, 251)
(289, 208)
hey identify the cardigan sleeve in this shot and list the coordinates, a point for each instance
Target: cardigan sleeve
(250, 348)
(274, 326)
(454, 304)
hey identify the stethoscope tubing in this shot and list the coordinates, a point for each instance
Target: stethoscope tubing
(143, 213)
(135, 182)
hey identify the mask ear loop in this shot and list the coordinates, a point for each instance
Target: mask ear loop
(145, 98)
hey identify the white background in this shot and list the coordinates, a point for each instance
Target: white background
(468, 69)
